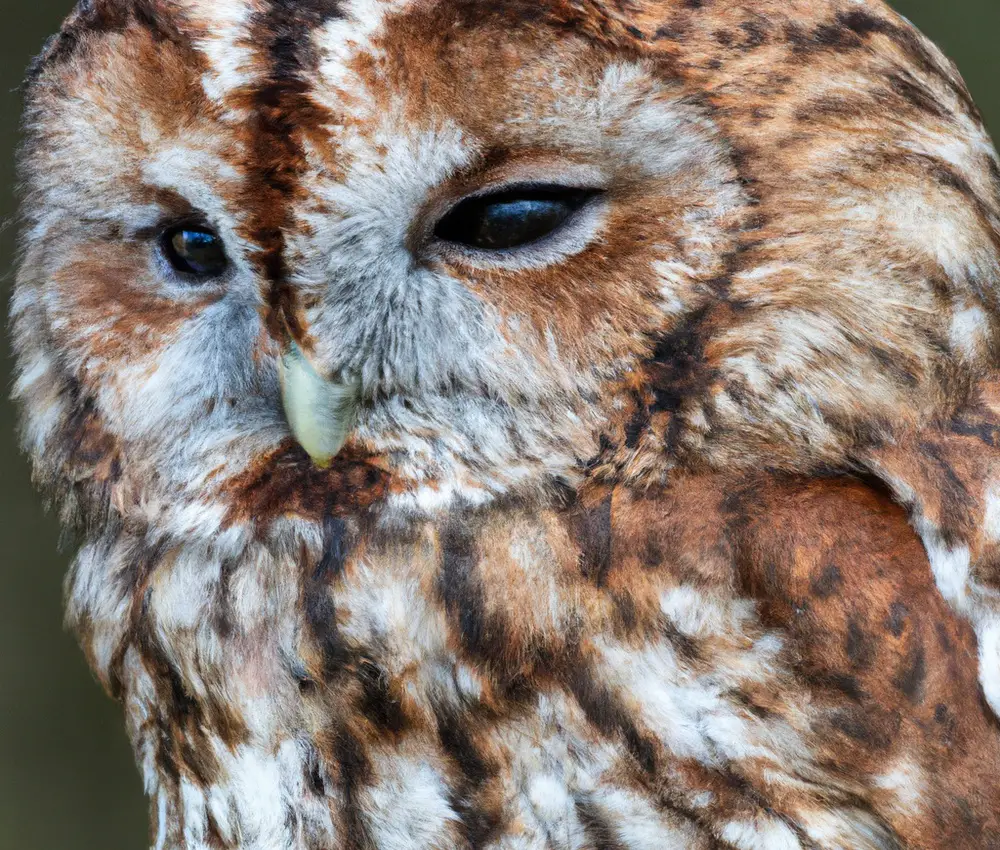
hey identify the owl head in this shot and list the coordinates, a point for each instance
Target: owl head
(292, 258)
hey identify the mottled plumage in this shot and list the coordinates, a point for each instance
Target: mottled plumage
(677, 528)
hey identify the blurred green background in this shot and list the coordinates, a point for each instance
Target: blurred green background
(67, 780)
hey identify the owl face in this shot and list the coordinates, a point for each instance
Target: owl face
(292, 258)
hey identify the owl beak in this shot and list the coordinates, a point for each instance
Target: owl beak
(320, 412)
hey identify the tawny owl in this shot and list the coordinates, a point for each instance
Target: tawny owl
(524, 424)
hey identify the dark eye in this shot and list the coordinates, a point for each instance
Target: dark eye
(511, 218)
(194, 250)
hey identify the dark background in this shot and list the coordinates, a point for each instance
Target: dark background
(67, 780)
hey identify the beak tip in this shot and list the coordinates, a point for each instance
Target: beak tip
(321, 413)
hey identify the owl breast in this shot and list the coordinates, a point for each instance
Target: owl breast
(629, 671)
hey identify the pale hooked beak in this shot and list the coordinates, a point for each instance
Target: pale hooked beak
(321, 412)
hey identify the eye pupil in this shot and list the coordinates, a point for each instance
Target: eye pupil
(195, 251)
(518, 222)
(510, 219)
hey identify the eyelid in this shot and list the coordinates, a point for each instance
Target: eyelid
(193, 222)
(534, 170)
(518, 191)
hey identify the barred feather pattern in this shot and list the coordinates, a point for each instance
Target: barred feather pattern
(677, 530)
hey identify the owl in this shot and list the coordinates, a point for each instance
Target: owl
(523, 424)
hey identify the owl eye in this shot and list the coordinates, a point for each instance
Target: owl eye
(195, 251)
(511, 218)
